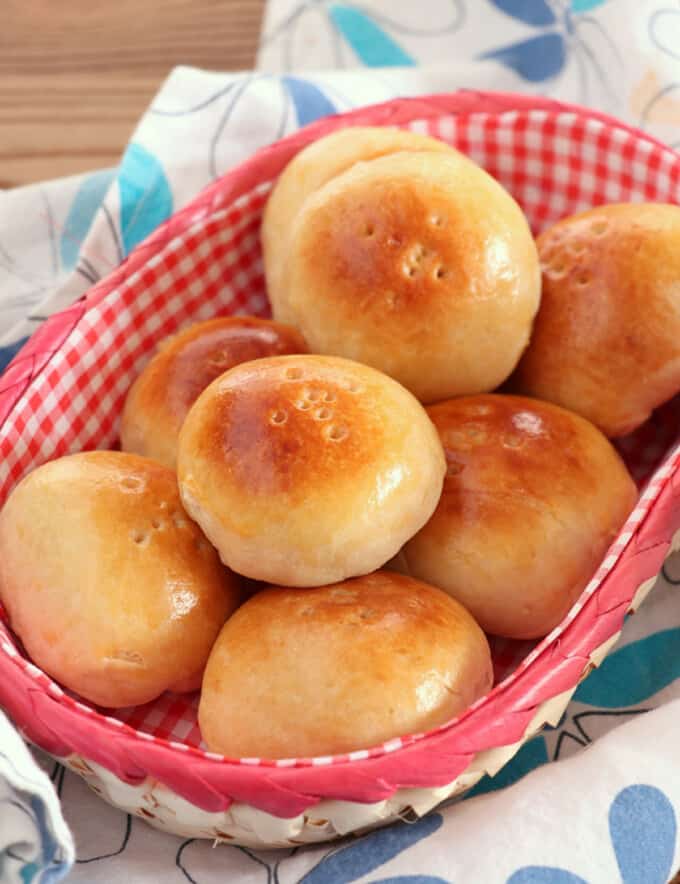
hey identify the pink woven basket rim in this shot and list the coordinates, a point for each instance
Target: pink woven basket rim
(371, 775)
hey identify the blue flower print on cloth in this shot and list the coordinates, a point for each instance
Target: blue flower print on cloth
(543, 56)
(372, 45)
(366, 33)
(310, 102)
(84, 207)
(643, 832)
(145, 195)
(537, 40)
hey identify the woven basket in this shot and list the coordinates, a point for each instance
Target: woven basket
(64, 392)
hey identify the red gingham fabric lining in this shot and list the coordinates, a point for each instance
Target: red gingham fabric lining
(65, 389)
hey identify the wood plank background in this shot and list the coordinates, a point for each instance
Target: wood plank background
(75, 75)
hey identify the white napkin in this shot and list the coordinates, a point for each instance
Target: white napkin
(35, 844)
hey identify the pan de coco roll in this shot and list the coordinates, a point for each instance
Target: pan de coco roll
(420, 265)
(183, 367)
(533, 497)
(309, 170)
(305, 672)
(112, 589)
(305, 470)
(606, 342)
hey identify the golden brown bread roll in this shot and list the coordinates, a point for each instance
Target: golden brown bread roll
(307, 172)
(533, 497)
(183, 367)
(113, 590)
(419, 264)
(305, 470)
(606, 342)
(298, 673)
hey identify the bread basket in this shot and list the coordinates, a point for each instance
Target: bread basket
(64, 392)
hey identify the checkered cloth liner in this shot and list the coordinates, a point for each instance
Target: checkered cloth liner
(65, 390)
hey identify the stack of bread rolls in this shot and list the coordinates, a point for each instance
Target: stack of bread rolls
(350, 467)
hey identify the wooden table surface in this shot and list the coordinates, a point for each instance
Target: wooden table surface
(75, 75)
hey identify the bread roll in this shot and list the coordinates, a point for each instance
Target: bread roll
(533, 497)
(606, 341)
(166, 389)
(112, 589)
(305, 470)
(420, 265)
(307, 172)
(305, 672)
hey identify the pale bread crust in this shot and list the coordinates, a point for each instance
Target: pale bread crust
(110, 586)
(533, 497)
(299, 673)
(305, 470)
(606, 342)
(420, 265)
(309, 170)
(184, 365)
